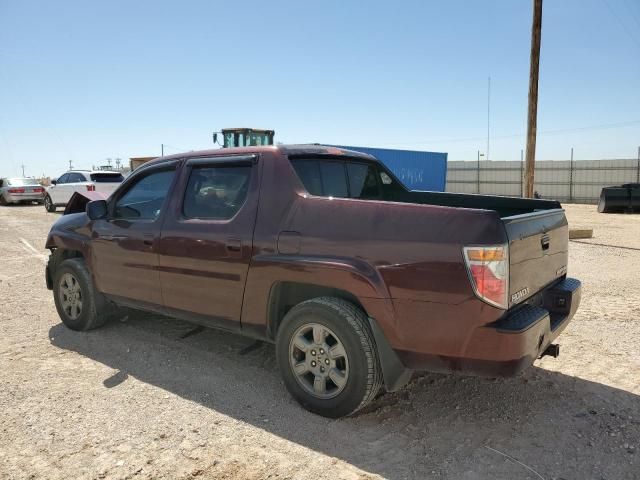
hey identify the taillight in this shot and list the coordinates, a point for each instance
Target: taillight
(16, 190)
(38, 190)
(489, 273)
(91, 188)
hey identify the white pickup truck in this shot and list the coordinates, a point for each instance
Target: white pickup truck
(61, 190)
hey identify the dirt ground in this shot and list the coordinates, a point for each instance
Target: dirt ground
(139, 399)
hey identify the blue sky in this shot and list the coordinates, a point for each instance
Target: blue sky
(90, 80)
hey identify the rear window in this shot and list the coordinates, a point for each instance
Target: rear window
(106, 177)
(329, 178)
(21, 182)
(334, 180)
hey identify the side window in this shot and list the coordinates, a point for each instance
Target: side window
(216, 192)
(309, 173)
(144, 199)
(334, 179)
(75, 178)
(63, 178)
(363, 181)
(329, 178)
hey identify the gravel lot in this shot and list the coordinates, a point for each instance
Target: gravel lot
(137, 400)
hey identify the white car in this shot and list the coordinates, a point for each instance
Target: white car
(60, 191)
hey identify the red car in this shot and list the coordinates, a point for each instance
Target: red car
(357, 280)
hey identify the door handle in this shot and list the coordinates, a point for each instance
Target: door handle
(234, 246)
(113, 237)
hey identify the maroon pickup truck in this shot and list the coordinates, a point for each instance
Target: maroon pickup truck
(357, 280)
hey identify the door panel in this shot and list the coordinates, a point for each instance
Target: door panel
(206, 242)
(125, 259)
(56, 192)
(75, 182)
(124, 246)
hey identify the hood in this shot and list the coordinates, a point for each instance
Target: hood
(78, 201)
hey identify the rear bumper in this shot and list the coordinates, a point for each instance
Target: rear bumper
(511, 344)
(23, 197)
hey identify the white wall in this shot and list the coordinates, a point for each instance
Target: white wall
(553, 178)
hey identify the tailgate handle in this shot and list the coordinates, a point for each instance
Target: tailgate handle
(544, 241)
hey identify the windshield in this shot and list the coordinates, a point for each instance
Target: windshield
(21, 182)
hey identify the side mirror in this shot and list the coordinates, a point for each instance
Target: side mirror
(97, 209)
(54, 182)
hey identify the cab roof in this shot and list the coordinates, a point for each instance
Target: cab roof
(300, 150)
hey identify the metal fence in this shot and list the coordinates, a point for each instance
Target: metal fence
(573, 181)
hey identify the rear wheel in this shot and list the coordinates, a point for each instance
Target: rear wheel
(49, 205)
(327, 357)
(79, 306)
(3, 201)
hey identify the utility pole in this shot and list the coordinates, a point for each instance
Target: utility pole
(488, 113)
(532, 116)
(162, 149)
(22, 170)
(70, 165)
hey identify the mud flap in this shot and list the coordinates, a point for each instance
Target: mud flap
(395, 374)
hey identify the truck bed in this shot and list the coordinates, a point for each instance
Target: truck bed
(505, 206)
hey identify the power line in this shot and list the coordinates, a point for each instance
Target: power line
(516, 135)
(622, 23)
(632, 14)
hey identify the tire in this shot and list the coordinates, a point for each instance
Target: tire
(79, 305)
(3, 201)
(49, 205)
(308, 335)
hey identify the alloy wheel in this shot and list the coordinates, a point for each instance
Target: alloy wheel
(319, 360)
(70, 295)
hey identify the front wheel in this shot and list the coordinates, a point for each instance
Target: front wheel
(327, 357)
(79, 306)
(49, 205)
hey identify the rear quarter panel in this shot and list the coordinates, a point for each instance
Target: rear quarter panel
(402, 261)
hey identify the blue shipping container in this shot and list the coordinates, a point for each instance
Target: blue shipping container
(417, 170)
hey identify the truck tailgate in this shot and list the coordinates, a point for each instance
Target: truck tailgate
(538, 251)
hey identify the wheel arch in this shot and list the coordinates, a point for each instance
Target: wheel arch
(59, 255)
(285, 295)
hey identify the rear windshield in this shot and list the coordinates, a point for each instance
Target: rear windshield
(106, 177)
(339, 178)
(21, 182)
